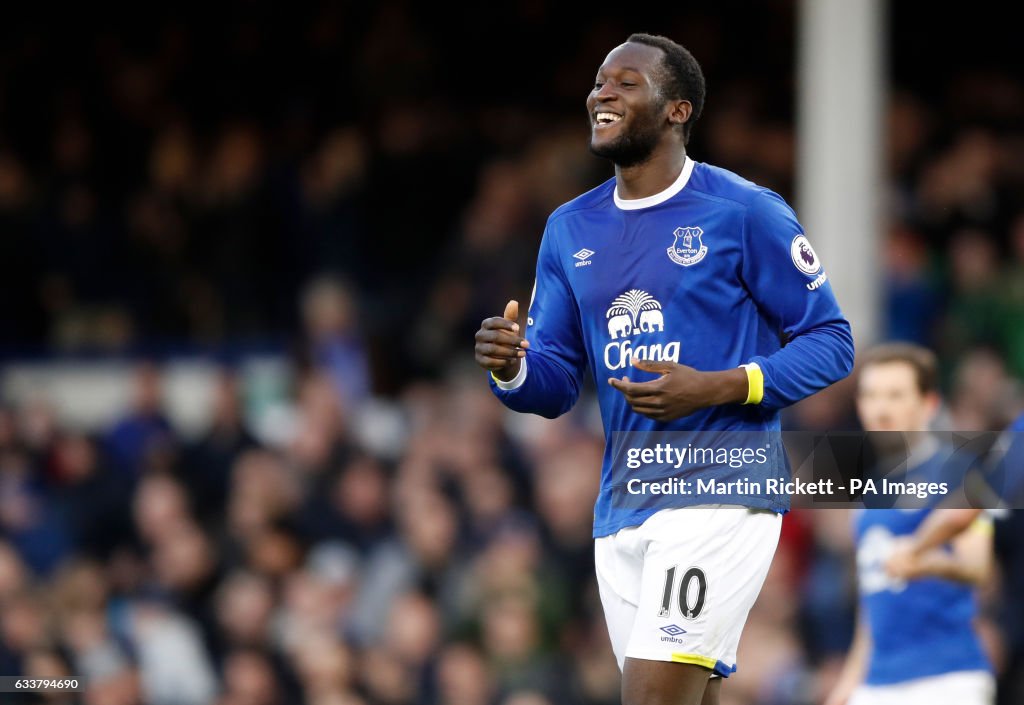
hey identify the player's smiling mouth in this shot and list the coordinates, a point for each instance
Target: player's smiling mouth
(605, 118)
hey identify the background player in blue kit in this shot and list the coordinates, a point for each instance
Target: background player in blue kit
(688, 273)
(1005, 470)
(915, 641)
(1005, 476)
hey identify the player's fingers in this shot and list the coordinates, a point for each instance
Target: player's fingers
(499, 323)
(898, 574)
(506, 352)
(646, 390)
(635, 390)
(643, 399)
(502, 337)
(512, 310)
(898, 567)
(647, 407)
(498, 350)
(493, 363)
(623, 385)
(653, 365)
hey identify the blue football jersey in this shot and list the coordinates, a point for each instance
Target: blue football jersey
(918, 628)
(714, 272)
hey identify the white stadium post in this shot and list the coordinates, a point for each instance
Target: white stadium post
(840, 154)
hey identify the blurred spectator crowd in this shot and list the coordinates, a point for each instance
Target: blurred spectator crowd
(363, 184)
(186, 179)
(440, 555)
(181, 176)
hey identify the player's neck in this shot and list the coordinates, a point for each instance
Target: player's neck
(651, 177)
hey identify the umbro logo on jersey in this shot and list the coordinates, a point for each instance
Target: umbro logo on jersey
(630, 314)
(688, 248)
(584, 256)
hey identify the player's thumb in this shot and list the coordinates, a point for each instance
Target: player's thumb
(512, 310)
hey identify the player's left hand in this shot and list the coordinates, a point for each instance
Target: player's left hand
(677, 392)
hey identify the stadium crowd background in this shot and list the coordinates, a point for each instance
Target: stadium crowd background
(355, 186)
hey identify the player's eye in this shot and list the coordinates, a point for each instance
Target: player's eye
(597, 85)
(627, 84)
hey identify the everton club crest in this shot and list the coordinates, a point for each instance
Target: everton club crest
(687, 248)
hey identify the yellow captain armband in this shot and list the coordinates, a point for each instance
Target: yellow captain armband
(755, 383)
(983, 525)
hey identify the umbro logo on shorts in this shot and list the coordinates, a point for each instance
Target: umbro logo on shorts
(673, 630)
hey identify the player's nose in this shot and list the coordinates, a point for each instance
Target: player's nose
(605, 93)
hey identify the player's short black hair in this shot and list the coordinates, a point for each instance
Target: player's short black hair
(922, 360)
(681, 77)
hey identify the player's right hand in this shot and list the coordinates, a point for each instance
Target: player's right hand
(499, 347)
(903, 561)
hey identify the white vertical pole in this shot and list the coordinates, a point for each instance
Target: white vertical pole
(840, 153)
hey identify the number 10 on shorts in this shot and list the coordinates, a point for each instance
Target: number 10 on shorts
(693, 589)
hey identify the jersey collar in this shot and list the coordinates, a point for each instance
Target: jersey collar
(633, 204)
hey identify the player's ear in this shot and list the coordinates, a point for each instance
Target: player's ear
(932, 405)
(679, 111)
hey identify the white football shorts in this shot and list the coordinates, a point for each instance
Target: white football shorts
(959, 688)
(679, 586)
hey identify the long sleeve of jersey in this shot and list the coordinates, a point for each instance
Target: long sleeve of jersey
(818, 346)
(552, 371)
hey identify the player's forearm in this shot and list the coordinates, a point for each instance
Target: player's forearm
(727, 386)
(542, 386)
(939, 527)
(949, 566)
(807, 364)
